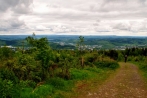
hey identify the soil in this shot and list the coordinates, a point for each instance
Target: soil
(125, 83)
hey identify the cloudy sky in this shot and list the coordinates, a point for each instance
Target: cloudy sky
(74, 17)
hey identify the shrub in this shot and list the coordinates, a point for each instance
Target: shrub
(78, 74)
(143, 67)
(91, 59)
(57, 82)
(6, 74)
(27, 93)
(6, 53)
(93, 69)
(43, 90)
(8, 89)
(107, 64)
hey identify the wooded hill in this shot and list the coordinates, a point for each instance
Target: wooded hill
(42, 71)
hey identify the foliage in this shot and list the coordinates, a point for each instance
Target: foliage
(40, 71)
(136, 51)
(43, 90)
(6, 74)
(80, 43)
(112, 54)
(58, 83)
(78, 74)
(6, 53)
(107, 64)
(143, 67)
(94, 69)
(8, 89)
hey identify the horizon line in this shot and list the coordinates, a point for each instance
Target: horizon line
(72, 35)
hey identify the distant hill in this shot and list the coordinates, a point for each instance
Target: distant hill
(69, 41)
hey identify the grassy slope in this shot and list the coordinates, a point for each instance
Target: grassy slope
(143, 69)
(86, 79)
(81, 80)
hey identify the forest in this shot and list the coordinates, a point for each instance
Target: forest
(70, 41)
(41, 71)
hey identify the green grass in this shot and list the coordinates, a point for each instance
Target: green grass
(59, 83)
(143, 68)
(60, 88)
(57, 87)
(87, 76)
(77, 74)
(107, 64)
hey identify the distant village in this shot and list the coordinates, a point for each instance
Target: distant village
(84, 47)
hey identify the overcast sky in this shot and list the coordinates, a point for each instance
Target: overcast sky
(74, 17)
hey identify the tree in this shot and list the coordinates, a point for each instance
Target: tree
(80, 43)
(6, 53)
(43, 53)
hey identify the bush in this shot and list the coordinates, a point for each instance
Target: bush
(58, 83)
(107, 64)
(6, 53)
(93, 69)
(43, 90)
(91, 59)
(27, 93)
(6, 74)
(143, 67)
(78, 74)
(8, 89)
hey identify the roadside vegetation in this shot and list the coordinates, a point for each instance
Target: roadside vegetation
(41, 71)
(139, 58)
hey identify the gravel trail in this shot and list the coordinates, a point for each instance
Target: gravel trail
(126, 83)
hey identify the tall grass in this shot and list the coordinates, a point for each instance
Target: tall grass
(107, 64)
(56, 87)
(143, 68)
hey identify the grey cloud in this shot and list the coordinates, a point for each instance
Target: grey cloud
(81, 15)
(67, 16)
(143, 26)
(95, 24)
(16, 6)
(6, 4)
(115, 9)
(122, 5)
(17, 24)
(23, 6)
(11, 24)
(53, 6)
(10, 11)
(122, 26)
(133, 26)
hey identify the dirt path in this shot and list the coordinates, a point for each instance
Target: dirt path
(126, 83)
